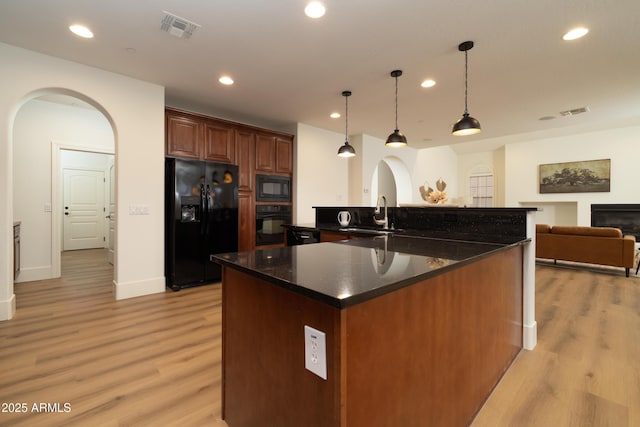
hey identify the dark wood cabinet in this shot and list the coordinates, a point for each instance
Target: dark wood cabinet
(274, 154)
(193, 137)
(328, 236)
(245, 149)
(219, 143)
(284, 155)
(265, 153)
(184, 136)
(246, 221)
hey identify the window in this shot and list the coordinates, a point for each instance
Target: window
(481, 190)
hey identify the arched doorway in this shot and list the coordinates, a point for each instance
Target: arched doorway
(391, 178)
(48, 122)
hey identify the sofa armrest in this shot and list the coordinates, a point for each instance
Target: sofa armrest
(628, 250)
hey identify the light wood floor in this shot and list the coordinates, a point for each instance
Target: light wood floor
(155, 360)
(148, 361)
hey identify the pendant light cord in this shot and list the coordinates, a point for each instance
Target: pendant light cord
(466, 81)
(346, 119)
(396, 102)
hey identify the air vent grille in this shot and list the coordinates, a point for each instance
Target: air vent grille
(178, 27)
(574, 111)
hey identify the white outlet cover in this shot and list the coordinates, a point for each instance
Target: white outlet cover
(315, 351)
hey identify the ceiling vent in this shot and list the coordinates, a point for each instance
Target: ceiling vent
(574, 112)
(178, 27)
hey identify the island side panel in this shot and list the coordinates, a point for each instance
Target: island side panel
(264, 377)
(431, 353)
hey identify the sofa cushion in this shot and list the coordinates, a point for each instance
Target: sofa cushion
(543, 228)
(587, 231)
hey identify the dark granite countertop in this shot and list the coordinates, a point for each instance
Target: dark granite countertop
(349, 272)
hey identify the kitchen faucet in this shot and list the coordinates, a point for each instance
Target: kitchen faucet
(385, 220)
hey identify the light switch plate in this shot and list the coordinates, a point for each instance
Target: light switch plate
(315, 351)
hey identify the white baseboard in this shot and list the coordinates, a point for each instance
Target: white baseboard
(530, 336)
(124, 290)
(32, 274)
(8, 308)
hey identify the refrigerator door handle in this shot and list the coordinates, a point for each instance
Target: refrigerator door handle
(208, 198)
(203, 210)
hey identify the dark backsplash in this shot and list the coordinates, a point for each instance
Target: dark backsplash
(494, 225)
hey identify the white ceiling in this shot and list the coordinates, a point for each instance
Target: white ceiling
(289, 68)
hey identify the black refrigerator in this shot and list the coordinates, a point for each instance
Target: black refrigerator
(201, 219)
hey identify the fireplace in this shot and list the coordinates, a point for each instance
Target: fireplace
(623, 216)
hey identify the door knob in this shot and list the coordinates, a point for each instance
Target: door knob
(66, 213)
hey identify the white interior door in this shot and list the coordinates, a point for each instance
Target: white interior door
(111, 235)
(83, 209)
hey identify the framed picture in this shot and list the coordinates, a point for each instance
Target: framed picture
(591, 176)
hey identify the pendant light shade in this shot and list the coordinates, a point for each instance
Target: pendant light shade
(467, 125)
(346, 150)
(396, 139)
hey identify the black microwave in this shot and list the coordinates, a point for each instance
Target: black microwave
(273, 188)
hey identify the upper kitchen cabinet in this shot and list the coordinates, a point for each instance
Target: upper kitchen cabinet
(284, 155)
(274, 154)
(265, 153)
(184, 135)
(199, 137)
(195, 136)
(219, 142)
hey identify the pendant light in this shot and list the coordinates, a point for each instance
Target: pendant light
(467, 125)
(396, 139)
(346, 150)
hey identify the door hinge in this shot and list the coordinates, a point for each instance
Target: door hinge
(104, 239)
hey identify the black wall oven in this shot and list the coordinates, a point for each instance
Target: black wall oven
(273, 188)
(269, 221)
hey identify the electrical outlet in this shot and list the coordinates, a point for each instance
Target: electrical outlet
(315, 351)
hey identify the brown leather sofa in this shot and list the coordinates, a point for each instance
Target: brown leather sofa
(593, 245)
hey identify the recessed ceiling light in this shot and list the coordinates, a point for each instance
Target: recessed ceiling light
(575, 33)
(226, 80)
(315, 10)
(81, 30)
(334, 115)
(428, 83)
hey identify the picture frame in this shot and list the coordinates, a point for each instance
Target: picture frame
(589, 176)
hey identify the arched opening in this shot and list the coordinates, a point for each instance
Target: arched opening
(391, 178)
(48, 124)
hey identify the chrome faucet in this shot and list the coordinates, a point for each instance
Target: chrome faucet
(385, 220)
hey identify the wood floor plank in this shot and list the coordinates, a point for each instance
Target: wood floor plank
(156, 360)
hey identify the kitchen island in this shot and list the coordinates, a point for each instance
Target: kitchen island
(418, 330)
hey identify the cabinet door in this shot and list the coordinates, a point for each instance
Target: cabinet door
(245, 149)
(265, 153)
(183, 136)
(328, 236)
(284, 155)
(219, 143)
(246, 222)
